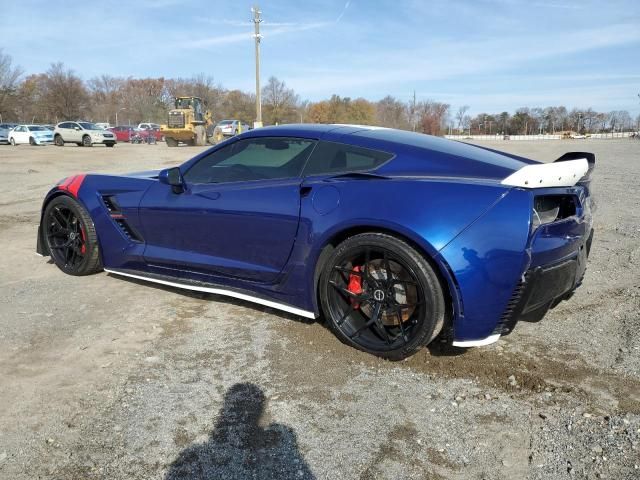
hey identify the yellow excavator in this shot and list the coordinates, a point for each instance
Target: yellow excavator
(187, 123)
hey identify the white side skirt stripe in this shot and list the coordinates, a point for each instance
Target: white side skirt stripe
(221, 291)
(477, 343)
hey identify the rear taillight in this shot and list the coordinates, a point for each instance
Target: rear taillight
(552, 208)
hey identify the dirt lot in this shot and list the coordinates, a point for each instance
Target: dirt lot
(102, 377)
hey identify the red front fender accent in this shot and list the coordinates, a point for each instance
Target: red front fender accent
(72, 184)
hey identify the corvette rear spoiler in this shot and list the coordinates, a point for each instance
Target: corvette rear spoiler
(566, 171)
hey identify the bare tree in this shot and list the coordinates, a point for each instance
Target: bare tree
(391, 112)
(279, 102)
(65, 96)
(460, 114)
(9, 77)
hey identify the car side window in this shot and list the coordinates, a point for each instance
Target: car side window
(253, 159)
(333, 158)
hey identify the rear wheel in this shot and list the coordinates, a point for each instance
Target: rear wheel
(58, 141)
(12, 141)
(86, 141)
(32, 141)
(71, 237)
(171, 142)
(381, 296)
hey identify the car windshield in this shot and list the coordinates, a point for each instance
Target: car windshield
(36, 128)
(89, 126)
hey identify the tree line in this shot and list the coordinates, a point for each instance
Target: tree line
(59, 94)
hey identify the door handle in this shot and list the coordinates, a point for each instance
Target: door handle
(210, 195)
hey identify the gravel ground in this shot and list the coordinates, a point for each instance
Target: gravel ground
(106, 378)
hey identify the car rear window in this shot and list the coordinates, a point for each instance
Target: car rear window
(333, 157)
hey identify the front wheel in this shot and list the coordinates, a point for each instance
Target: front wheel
(12, 141)
(32, 141)
(379, 295)
(58, 141)
(86, 141)
(71, 237)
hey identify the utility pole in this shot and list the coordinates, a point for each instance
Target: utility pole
(257, 20)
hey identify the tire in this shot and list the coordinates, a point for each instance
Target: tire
(390, 316)
(12, 141)
(171, 142)
(71, 237)
(86, 141)
(58, 141)
(32, 141)
(201, 136)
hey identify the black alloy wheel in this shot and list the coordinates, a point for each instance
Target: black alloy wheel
(71, 237)
(381, 296)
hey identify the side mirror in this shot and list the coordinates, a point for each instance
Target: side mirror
(77, 128)
(173, 177)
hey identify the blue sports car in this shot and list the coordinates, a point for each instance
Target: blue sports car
(392, 237)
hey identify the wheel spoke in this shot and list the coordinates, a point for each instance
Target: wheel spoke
(367, 324)
(349, 271)
(367, 259)
(55, 218)
(348, 293)
(378, 325)
(401, 325)
(387, 266)
(349, 311)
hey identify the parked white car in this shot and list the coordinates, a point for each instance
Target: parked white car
(84, 134)
(31, 134)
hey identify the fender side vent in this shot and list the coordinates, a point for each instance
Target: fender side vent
(111, 203)
(130, 232)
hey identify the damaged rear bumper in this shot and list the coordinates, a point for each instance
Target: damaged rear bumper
(544, 287)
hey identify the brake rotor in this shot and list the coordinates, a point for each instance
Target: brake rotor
(404, 293)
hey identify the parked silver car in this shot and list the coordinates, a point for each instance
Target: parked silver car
(232, 127)
(84, 134)
(5, 128)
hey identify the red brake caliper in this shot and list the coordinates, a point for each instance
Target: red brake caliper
(84, 241)
(355, 286)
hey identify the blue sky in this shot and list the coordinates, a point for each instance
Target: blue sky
(492, 55)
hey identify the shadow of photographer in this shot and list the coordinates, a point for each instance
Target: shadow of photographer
(240, 448)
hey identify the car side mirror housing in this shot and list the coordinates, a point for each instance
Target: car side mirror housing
(76, 128)
(172, 177)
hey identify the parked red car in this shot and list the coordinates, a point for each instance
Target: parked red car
(123, 133)
(145, 132)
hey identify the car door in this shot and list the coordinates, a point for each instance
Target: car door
(73, 133)
(237, 216)
(21, 134)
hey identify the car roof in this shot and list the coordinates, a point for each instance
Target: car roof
(416, 153)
